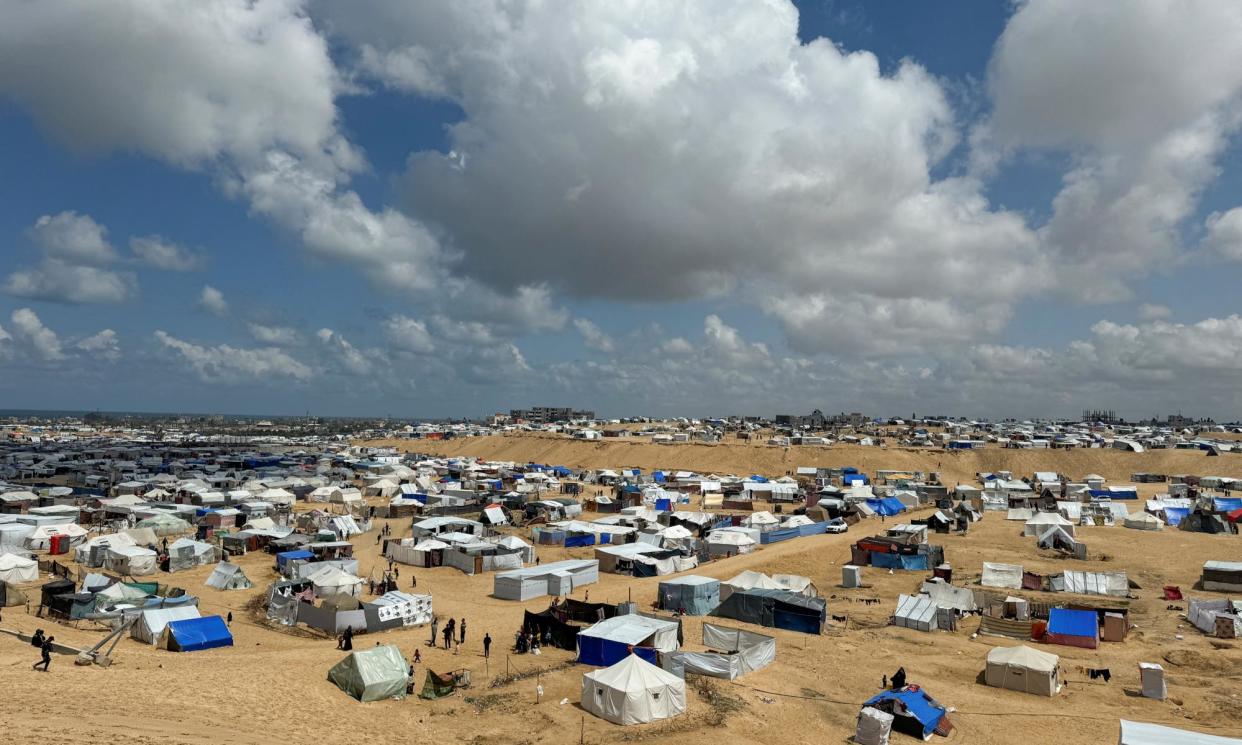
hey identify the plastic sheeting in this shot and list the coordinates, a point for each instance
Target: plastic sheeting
(752, 651)
(1113, 584)
(874, 727)
(196, 634)
(1002, 575)
(1140, 733)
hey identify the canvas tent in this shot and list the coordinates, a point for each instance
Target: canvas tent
(151, 622)
(228, 576)
(1002, 575)
(1141, 733)
(372, 674)
(14, 569)
(1023, 669)
(914, 711)
(633, 691)
(331, 581)
(1143, 521)
(557, 578)
(916, 612)
(163, 525)
(691, 594)
(195, 634)
(614, 638)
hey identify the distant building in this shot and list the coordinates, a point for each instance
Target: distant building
(818, 420)
(549, 414)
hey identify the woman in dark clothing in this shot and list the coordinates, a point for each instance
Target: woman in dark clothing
(347, 640)
(45, 654)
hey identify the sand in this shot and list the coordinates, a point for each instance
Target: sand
(273, 683)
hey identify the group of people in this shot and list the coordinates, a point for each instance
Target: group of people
(531, 641)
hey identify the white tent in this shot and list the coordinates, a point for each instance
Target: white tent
(1041, 521)
(1143, 521)
(151, 622)
(228, 576)
(413, 610)
(331, 581)
(14, 535)
(1023, 669)
(99, 546)
(633, 691)
(186, 553)
(1002, 575)
(132, 560)
(873, 727)
(15, 570)
(1141, 733)
(41, 537)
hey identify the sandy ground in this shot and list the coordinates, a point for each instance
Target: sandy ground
(740, 457)
(273, 683)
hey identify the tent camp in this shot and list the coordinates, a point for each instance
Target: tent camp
(633, 691)
(691, 594)
(1023, 669)
(14, 569)
(372, 674)
(780, 609)
(1073, 628)
(1141, 733)
(195, 634)
(615, 638)
(227, 576)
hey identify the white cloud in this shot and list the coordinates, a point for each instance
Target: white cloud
(55, 281)
(212, 301)
(161, 254)
(280, 336)
(408, 334)
(593, 336)
(350, 357)
(73, 238)
(1153, 311)
(45, 342)
(103, 344)
(227, 364)
(1224, 233)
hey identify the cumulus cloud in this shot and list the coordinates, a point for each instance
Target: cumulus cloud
(212, 301)
(56, 281)
(73, 238)
(280, 336)
(1224, 233)
(593, 336)
(408, 334)
(103, 344)
(227, 364)
(161, 254)
(45, 342)
(350, 357)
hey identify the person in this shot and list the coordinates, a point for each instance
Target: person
(348, 639)
(418, 656)
(463, 631)
(396, 575)
(899, 679)
(413, 581)
(536, 561)
(45, 654)
(409, 684)
(370, 586)
(435, 629)
(487, 645)
(229, 619)
(37, 640)
(588, 596)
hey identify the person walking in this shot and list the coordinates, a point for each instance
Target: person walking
(463, 631)
(487, 645)
(435, 629)
(45, 654)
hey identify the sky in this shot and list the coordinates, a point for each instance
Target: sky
(708, 207)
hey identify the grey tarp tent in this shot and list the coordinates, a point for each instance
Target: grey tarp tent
(228, 576)
(695, 595)
(780, 609)
(372, 674)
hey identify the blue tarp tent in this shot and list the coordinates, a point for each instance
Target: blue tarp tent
(1074, 628)
(854, 478)
(659, 477)
(1174, 515)
(664, 505)
(915, 704)
(1227, 504)
(759, 479)
(194, 634)
(886, 506)
(283, 558)
(561, 471)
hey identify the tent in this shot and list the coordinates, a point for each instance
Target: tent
(413, 610)
(748, 580)
(131, 560)
(1143, 521)
(438, 686)
(331, 581)
(914, 712)
(372, 674)
(1073, 628)
(227, 576)
(1023, 669)
(151, 622)
(1141, 733)
(13, 536)
(695, 595)
(186, 553)
(873, 727)
(615, 638)
(633, 691)
(916, 612)
(1002, 575)
(1041, 521)
(14, 570)
(195, 634)
(162, 524)
(780, 609)
(753, 651)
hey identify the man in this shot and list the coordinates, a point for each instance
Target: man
(463, 631)
(435, 629)
(487, 645)
(45, 654)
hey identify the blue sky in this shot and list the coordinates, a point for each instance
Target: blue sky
(735, 207)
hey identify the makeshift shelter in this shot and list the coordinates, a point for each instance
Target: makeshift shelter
(438, 686)
(1023, 669)
(331, 581)
(195, 634)
(413, 610)
(228, 576)
(614, 638)
(753, 651)
(916, 612)
(1151, 675)
(1222, 576)
(1041, 521)
(780, 609)
(914, 712)
(558, 578)
(1073, 628)
(151, 622)
(130, 560)
(164, 525)
(372, 674)
(186, 553)
(1143, 521)
(691, 594)
(873, 727)
(1141, 733)
(633, 691)
(16, 570)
